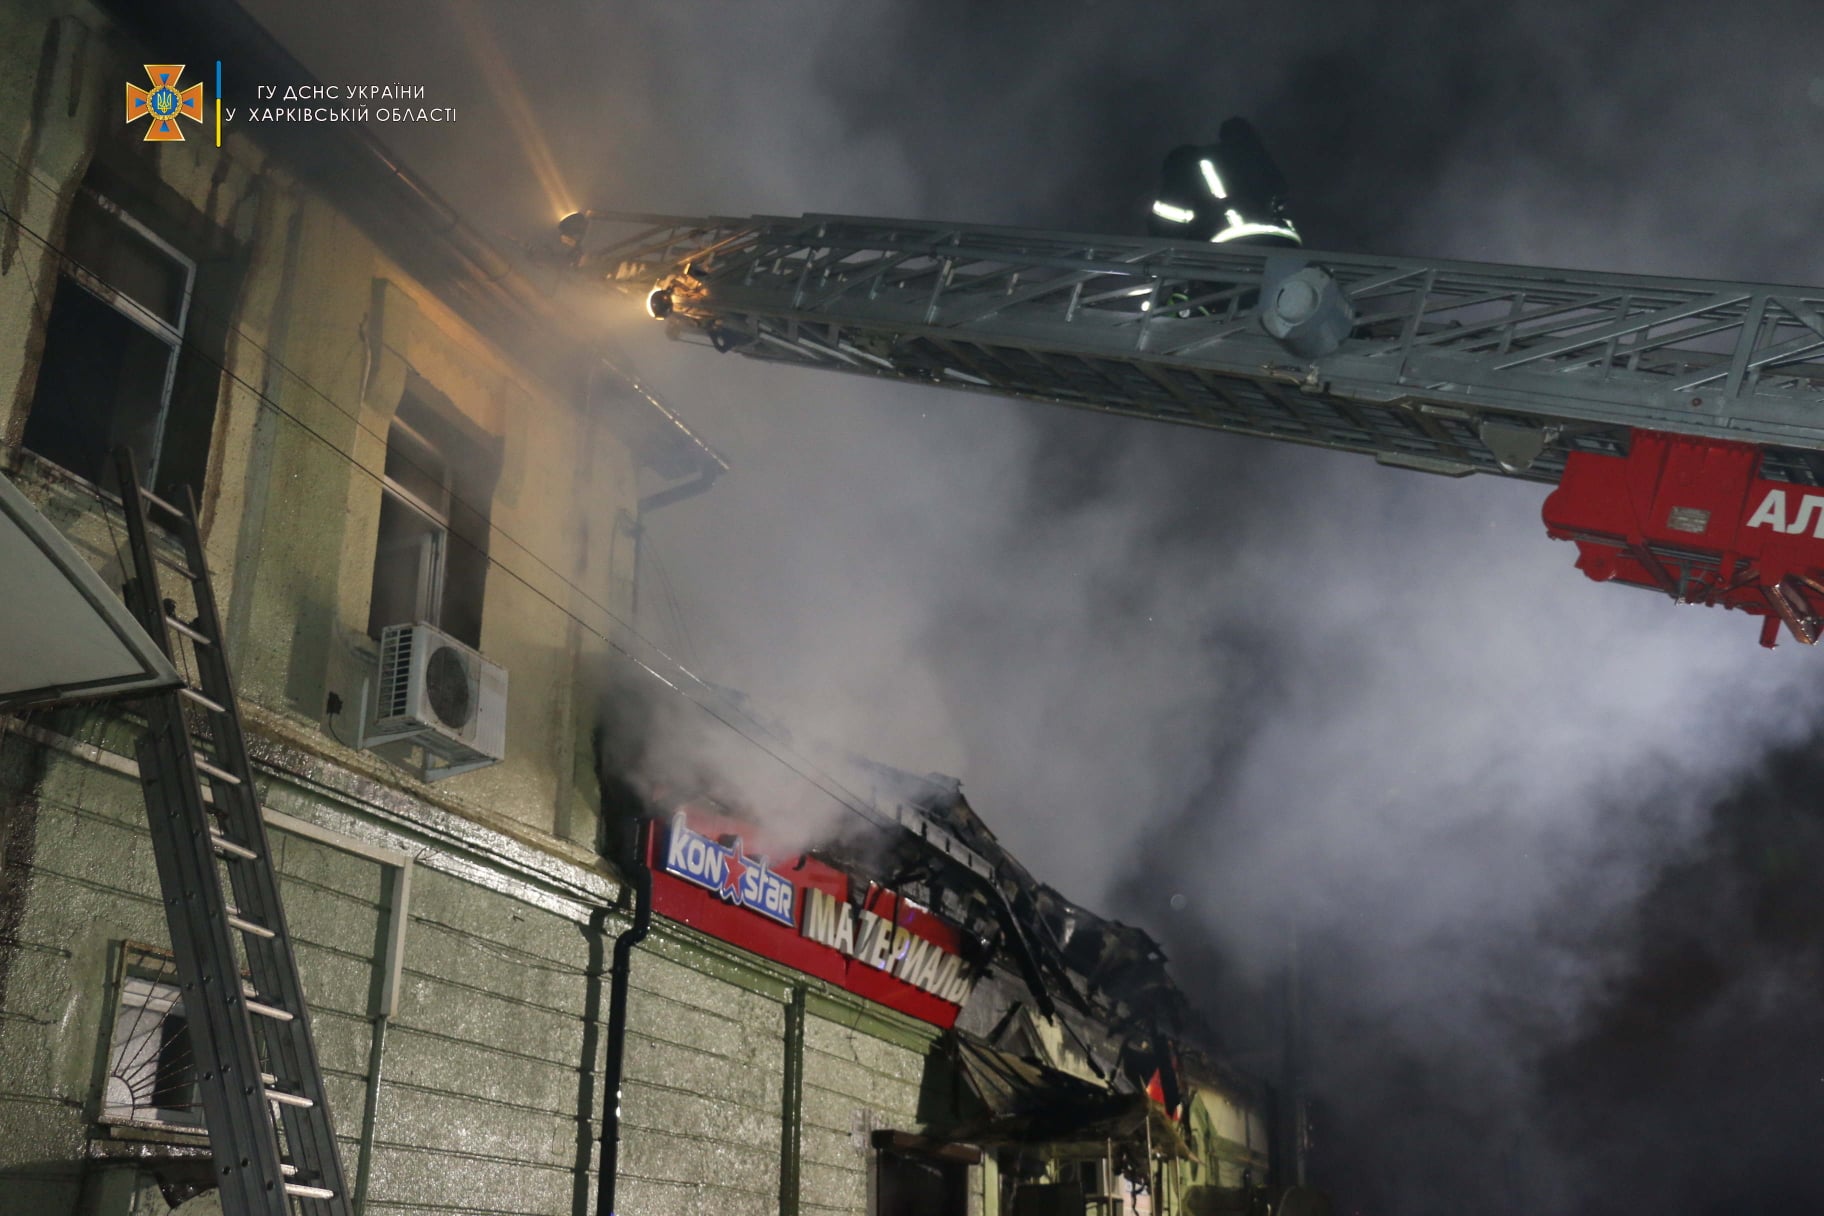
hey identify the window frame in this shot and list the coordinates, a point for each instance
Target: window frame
(433, 566)
(446, 490)
(172, 335)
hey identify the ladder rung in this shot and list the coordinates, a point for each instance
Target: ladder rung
(229, 848)
(218, 774)
(308, 1192)
(156, 501)
(246, 926)
(171, 563)
(268, 1011)
(297, 1100)
(184, 690)
(189, 631)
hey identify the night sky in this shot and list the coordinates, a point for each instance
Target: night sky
(1550, 846)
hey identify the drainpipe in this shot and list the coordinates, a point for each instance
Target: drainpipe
(636, 523)
(791, 1129)
(370, 1115)
(386, 1008)
(705, 478)
(710, 467)
(619, 974)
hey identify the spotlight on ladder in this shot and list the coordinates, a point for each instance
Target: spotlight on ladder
(1303, 309)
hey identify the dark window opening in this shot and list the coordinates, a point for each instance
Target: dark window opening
(101, 385)
(913, 1185)
(111, 346)
(173, 1078)
(431, 559)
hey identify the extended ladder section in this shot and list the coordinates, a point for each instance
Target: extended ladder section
(1681, 419)
(262, 1090)
(1447, 367)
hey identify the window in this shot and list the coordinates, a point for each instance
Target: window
(920, 1185)
(111, 346)
(151, 1076)
(431, 560)
(1101, 1187)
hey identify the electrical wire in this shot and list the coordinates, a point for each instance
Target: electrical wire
(671, 602)
(821, 781)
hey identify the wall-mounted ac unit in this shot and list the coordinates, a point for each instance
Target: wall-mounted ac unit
(441, 696)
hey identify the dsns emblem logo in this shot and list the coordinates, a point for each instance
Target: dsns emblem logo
(164, 103)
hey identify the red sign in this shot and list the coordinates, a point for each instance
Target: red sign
(798, 911)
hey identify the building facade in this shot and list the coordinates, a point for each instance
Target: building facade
(383, 423)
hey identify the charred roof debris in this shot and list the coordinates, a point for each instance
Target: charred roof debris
(1075, 1039)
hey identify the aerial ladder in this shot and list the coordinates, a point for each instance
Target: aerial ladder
(1681, 420)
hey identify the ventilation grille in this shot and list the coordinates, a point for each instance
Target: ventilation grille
(395, 672)
(445, 699)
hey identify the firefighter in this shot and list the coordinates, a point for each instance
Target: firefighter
(1229, 191)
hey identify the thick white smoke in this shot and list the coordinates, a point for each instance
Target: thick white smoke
(1288, 685)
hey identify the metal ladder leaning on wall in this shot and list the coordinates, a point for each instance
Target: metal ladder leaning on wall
(262, 1090)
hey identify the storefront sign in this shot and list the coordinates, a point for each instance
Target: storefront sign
(869, 935)
(799, 912)
(729, 872)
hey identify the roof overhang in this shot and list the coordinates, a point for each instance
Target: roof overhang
(1031, 1104)
(64, 635)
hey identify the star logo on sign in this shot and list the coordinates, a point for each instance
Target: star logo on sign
(164, 103)
(732, 874)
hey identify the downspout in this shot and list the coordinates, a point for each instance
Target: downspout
(705, 478)
(619, 973)
(364, 1150)
(636, 523)
(791, 1130)
(712, 466)
(386, 1008)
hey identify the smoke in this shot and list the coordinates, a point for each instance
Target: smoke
(1289, 686)
(659, 746)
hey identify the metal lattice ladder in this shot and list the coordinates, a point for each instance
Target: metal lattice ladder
(262, 1089)
(1451, 367)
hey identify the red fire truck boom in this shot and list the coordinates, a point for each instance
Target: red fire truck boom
(1695, 519)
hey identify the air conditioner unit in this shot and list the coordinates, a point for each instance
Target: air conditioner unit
(441, 696)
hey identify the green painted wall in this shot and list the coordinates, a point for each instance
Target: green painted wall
(89, 885)
(486, 1101)
(705, 1072)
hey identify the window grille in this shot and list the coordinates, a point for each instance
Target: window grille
(151, 1073)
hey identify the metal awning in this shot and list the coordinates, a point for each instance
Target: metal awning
(64, 635)
(1033, 1105)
